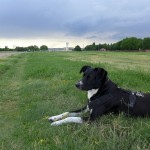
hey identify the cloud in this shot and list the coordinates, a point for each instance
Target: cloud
(91, 37)
(97, 20)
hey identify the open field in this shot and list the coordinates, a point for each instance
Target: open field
(122, 60)
(34, 86)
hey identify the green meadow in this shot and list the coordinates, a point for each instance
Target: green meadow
(34, 86)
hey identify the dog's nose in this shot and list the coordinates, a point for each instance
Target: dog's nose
(77, 85)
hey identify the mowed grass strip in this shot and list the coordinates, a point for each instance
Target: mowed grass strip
(38, 85)
(123, 60)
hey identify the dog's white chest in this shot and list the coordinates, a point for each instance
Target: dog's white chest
(91, 93)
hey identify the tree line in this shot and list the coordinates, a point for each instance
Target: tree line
(29, 48)
(131, 43)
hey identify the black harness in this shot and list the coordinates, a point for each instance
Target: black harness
(132, 98)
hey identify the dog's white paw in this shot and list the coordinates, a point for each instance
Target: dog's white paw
(58, 117)
(57, 123)
(52, 119)
(68, 120)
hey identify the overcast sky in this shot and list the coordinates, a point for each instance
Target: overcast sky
(79, 22)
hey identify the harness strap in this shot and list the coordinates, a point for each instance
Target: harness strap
(131, 102)
(132, 98)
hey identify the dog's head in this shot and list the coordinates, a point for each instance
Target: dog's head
(93, 78)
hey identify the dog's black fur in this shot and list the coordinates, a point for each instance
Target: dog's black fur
(104, 97)
(109, 97)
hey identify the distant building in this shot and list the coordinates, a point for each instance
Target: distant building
(56, 49)
(61, 49)
(14, 46)
(67, 44)
(103, 49)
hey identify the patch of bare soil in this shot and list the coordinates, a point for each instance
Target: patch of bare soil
(6, 54)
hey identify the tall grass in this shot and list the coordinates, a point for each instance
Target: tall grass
(38, 85)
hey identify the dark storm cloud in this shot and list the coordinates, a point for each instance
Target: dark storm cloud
(85, 18)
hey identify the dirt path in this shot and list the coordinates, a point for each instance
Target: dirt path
(6, 54)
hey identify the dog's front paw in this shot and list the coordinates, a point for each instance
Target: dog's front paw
(58, 117)
(57, 123)
(51, 119)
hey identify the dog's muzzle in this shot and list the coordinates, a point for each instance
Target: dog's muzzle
(79, 85)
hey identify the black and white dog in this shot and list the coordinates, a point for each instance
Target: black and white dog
(104, 97)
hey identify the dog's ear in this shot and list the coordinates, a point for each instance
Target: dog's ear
(102, 73)
(84, 68)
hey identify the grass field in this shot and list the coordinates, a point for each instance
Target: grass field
(34, 86)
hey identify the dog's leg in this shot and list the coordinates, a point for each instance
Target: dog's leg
(68, 120)
(69, 114)
(79, 111)
(96, 112)
(58, 117)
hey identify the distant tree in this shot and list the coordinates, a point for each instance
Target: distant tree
(146, 43)
(87, 48)
(6, 48)
(43, 47)
(105, 46)
(131, 43)
(100, 46)
(2, 49)
(33, 48)
(92, 47)
(117, 46)
(21, 49)
(77, 48)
